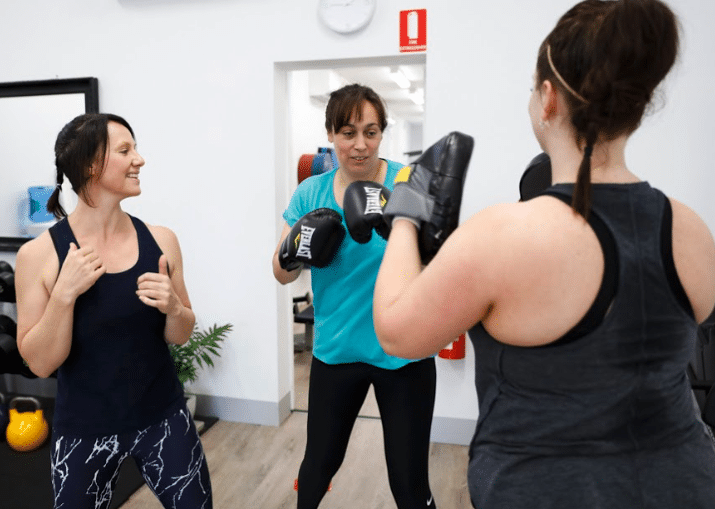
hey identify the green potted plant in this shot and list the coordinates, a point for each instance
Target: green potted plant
(197, 352)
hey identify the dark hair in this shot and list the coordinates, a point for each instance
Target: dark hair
(348, 100)
(610, 55)
(81, 143)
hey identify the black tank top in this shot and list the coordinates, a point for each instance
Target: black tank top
(119, 375)
(617, 382)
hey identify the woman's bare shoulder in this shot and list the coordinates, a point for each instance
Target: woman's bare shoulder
(162, 234)
(524, 224)
(167, 240)
(37, 261)
(694, 256)
(37, 249)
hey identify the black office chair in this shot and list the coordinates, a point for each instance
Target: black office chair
(307, 318)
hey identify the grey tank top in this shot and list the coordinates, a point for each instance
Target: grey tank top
(615, 386)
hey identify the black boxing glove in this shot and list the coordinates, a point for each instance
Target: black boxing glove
(363, 204)
(430, 193)
(536, 177)
(313, 240)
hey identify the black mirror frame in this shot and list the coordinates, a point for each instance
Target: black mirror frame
(87, 86)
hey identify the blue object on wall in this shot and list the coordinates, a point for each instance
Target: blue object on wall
(38, 203)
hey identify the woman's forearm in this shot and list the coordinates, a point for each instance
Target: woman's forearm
(179, 326)
(47, 344)
(401, 264)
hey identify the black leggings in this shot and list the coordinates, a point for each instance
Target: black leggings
(405, 398)
(168, 454)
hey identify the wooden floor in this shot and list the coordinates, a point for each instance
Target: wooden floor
(254, 467)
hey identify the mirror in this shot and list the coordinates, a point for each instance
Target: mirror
(31, 115)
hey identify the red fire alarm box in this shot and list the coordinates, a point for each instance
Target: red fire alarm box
(456, 349)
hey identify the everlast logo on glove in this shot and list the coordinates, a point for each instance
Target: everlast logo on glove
(313, 240)
(303, 242)
(363, 204)
(375, 200)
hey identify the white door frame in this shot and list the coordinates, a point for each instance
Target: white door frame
(282, 141)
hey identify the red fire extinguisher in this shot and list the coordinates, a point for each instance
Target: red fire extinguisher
(455, 350)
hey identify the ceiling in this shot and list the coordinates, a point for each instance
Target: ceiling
(397, 99)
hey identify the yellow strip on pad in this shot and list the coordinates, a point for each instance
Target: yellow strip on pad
(403, 174)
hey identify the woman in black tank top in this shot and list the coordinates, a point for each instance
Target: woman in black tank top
(109, 298)
(582, 302)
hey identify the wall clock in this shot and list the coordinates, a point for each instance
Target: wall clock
(346, 16)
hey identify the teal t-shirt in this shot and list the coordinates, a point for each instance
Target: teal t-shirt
(342, 291)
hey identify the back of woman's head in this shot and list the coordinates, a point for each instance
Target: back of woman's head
(608, 57)
(348, 100)
(80, 144)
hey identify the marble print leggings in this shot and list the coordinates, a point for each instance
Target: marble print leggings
(169, 455)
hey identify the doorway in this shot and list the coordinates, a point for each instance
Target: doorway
(302, 93)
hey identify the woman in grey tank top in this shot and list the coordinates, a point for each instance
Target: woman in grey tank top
(583, 302)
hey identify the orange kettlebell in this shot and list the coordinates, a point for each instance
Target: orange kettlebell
(26, 431)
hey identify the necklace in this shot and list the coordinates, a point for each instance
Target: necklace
(372, 179)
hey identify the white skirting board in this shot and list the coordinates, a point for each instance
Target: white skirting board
(266, 413)
(445, 430)
(451, 430)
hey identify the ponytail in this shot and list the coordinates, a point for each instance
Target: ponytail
(53, 203)
(581, 200)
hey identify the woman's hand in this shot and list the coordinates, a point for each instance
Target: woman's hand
(156, 290)
(80, 270)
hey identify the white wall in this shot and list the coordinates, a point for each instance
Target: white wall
(197, 80)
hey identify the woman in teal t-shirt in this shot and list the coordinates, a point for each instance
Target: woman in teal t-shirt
(347, 357)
